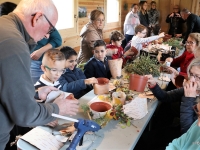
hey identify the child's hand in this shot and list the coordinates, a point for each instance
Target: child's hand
(162, 34)
(129, 52)
(91, 81)
(110, 51)
(115, 50)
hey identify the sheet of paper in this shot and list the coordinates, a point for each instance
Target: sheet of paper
(137, 108)
(42, 139)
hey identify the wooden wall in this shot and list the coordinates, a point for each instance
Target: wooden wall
(164, 6)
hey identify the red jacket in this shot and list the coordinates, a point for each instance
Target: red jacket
(119, 53)
(183, 61)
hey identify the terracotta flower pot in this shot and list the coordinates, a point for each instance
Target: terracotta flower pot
(137, 82)
(102, 87)
(115, 66)
(133, 49)
(99, 109)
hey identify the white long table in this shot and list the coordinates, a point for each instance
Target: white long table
(111, 137)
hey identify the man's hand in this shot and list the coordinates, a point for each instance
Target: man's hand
(66, 106)
(44, 91)
(171, 15)
(53, 123)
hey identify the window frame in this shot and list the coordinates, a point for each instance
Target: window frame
(69, 32)
(112, 24)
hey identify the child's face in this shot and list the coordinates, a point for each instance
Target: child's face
(142, 33)
(54, 70)
(100, 53)
(117, 43)
(71, 62)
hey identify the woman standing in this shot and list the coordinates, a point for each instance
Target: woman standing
(153, 15)
(131, 21)
(143, 16)
(91, 32)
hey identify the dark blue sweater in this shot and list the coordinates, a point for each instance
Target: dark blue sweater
(187, 114)
(96, 68)
(73, 81)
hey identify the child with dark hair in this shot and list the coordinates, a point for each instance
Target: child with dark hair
(74, 80)
(97, 66)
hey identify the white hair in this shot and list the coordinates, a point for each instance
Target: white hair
(30, 7)
(195, 62)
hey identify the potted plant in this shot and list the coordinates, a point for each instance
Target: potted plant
(143, 65)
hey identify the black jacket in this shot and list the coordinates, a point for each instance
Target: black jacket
(187, 114)
(193, 25)
(97, 69)
(175, 25)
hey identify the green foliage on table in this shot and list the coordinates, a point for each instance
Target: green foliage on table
(175, 42)
(143, 66)
(119, 114)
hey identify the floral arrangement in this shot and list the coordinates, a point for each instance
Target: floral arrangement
(143, 66)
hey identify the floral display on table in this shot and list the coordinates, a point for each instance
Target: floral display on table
(144, 65)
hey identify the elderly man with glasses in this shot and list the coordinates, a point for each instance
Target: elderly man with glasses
(19, 32)
(50, 41)
(192, 21)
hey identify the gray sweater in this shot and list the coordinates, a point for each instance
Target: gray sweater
(17, 103)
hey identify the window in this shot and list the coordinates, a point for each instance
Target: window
(67, 16)
(112, 11)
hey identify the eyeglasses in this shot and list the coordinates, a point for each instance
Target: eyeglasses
(195, 76)
(189, 43)
(196, 110)
(55, 71)
(52, 28)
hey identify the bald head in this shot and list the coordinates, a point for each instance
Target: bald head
(29, 7)
(37, 16)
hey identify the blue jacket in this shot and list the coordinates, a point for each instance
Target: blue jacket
(97, 69)
(187, 114)
(73, 81)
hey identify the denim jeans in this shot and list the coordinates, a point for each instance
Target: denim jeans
(36, 70)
